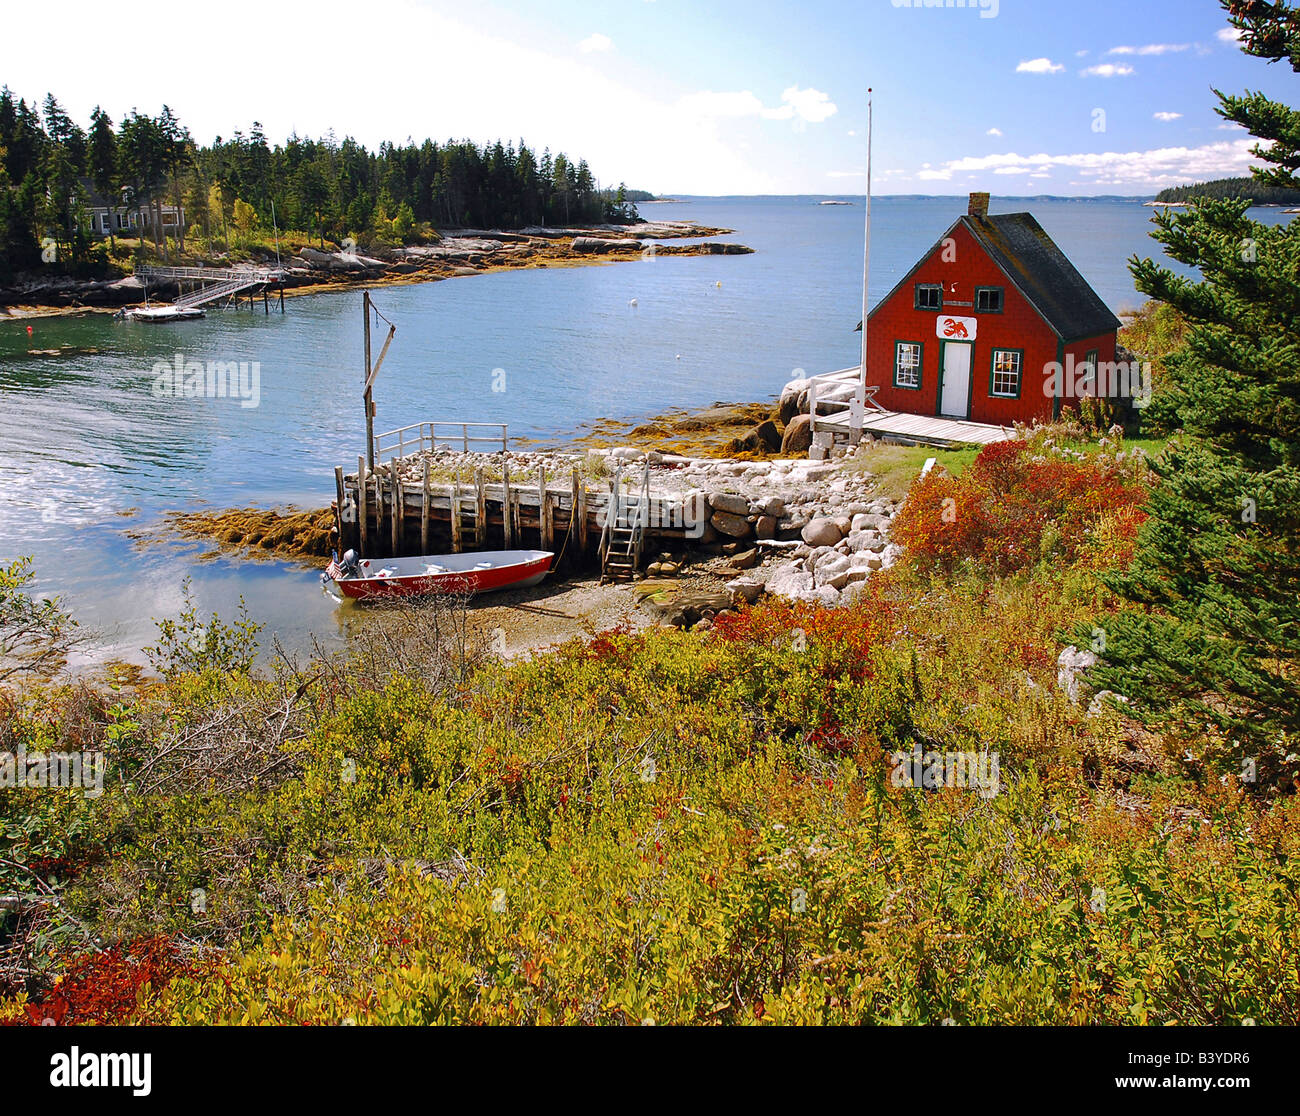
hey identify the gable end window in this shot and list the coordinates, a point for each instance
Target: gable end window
(1004, 380)
(929, 296)
(907, 364)
(988, 300)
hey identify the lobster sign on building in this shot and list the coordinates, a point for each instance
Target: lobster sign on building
(956, 329)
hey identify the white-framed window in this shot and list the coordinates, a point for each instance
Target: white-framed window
(1005, 382)
(907, 364)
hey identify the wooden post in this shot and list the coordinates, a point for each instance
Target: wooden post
(369, 398)
(340, 498)
(455, 515)
(507, 523)
(516, 519)
(572, 541)
(424, 510)
(480, 509)
(582, 520)
(543, 519)
(398, 508)
(363, 511)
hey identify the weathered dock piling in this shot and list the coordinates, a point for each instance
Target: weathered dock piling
(400, 508)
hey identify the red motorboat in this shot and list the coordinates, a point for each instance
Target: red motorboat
(480, 572)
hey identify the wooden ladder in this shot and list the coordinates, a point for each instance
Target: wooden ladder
(469, 521)
(626, 519)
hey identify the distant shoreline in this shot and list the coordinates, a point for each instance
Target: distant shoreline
(460, 254)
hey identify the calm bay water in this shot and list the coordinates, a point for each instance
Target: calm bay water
(88, 455)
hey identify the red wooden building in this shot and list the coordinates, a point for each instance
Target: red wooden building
(975, 329)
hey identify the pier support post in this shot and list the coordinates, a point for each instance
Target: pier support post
(480, 510)
(543, 510)
(340, 498)
(577, 519)
(455, 514)
(583, 526)
(424, 510)
(398, 509)
(363, 509)
(507, 522)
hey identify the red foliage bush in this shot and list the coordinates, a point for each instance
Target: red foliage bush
(840, 637)
(1015, 507)
(112, 986)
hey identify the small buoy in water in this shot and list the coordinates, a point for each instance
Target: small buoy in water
(679, 356)
(631, 302)
(29, 331)
(718, 284)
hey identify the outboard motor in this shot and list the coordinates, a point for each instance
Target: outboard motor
(349, 564)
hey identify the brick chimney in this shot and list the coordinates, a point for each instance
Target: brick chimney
(979, 205)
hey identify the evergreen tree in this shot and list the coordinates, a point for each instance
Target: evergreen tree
(1211, 640)
(102, 162)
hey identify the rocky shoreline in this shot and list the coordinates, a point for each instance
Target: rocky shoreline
(459, 253)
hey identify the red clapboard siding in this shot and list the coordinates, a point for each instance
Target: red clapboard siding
(961, 264)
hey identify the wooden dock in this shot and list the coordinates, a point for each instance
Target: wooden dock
(385, 513)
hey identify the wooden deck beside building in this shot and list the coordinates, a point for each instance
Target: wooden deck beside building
(921, 430)
(842, 409)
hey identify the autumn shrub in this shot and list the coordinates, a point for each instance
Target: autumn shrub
(1020, 505)
(679, 827)
(113, 986)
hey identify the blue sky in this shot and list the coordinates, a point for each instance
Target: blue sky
(686, 96)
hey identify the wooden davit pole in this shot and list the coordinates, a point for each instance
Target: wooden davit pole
(866, 248)
(369, 400)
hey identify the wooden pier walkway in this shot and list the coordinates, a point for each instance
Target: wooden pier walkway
(398, 510)
(212, 284)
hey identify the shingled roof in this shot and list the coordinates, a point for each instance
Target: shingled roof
(1030, 259)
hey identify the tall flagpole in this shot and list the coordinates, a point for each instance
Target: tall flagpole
(866, 247)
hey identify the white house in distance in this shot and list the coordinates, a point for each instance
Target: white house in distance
(121, 220)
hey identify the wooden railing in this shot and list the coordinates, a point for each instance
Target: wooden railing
(419, 436)
(861, 399)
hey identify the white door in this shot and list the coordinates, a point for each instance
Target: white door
(955, 398)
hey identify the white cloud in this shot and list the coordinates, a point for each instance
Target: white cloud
(1166, 117)
(556, 97)
(1039, 66)
(1154, 168)
(1107, 70)
(810, 105)
(1151, 48)
(994, 132)
(596, 42)
(1229, 35)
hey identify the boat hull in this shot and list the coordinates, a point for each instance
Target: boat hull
(484, 572)
(163, 314)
